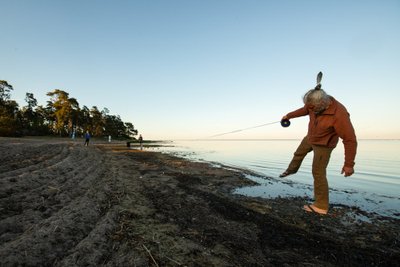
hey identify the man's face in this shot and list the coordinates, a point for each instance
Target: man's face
(317, 108)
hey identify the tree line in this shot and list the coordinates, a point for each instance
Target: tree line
(62, 116)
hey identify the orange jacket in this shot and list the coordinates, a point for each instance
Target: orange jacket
(326, 128)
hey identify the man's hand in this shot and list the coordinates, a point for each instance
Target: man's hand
(348, 171)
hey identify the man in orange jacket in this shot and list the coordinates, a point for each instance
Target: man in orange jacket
(329, 120)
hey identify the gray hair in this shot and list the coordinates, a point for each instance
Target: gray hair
(316, 97)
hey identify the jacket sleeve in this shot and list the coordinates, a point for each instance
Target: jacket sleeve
(345, 131)
(298, 113)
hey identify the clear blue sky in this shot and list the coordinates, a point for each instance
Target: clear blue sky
(191, 69)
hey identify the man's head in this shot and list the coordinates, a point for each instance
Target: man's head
(317, 100)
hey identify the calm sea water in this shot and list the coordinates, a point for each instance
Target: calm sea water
(374, 187)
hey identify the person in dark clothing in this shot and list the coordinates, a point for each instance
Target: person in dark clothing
(141, 142)
(87, 138)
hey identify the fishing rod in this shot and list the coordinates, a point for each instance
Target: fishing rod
(284, 123)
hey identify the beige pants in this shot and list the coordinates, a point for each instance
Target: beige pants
(321, 158)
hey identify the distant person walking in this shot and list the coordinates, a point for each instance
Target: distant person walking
(329, 121)
(87, 138)
(141, 142)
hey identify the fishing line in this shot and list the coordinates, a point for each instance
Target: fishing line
(284, 122)
(244, 129)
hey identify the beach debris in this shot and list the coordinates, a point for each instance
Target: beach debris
(151, 256)
(53, 189)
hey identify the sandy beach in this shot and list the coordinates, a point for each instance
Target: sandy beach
(64, 204)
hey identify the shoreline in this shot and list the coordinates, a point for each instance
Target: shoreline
(64, 204)
(371, 195)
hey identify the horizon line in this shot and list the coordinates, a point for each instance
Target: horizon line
(269, 139)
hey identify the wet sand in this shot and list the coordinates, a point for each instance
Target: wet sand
(63, 204)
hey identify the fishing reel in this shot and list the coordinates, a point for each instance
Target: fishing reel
(285, 123)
